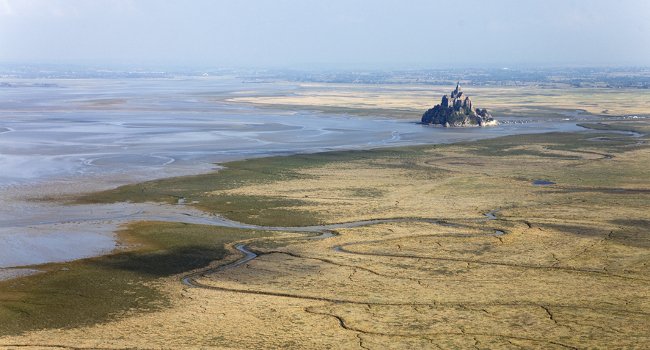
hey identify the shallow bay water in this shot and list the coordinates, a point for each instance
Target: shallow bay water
(74, 136)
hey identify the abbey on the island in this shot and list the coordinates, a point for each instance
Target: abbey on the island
(457, 110)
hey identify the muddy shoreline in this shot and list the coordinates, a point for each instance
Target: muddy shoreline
(156, 130)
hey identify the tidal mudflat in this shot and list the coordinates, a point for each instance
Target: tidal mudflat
(445, 241)
(74, 136)
(410, 100)
(467, 251)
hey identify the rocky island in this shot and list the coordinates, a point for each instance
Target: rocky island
(457, 110)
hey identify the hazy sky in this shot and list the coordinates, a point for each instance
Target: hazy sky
(398, 33)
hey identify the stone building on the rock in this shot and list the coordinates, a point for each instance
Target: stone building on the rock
(457, 110)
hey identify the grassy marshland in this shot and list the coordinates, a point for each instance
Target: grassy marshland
(95, 290)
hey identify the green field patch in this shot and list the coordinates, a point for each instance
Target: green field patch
(90, 291)
(206, 191)
(202, 191)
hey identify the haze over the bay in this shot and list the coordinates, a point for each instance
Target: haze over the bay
(332, 33)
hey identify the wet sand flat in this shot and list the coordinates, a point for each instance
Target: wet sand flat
(409, 101)
(85, 135)
(434, 245)
(477, 256)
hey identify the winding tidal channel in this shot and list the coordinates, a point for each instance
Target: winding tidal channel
(327, 231)
(79, 136)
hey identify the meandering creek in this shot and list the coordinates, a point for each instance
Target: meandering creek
(91, 135)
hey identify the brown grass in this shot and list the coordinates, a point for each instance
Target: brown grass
(569, 272)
